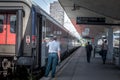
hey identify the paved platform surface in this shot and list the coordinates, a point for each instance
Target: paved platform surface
(76, 67)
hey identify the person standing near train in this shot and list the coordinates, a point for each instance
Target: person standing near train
(104, 51)
(89, 49)
(53, 56)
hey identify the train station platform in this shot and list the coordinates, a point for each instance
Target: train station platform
(75, 67)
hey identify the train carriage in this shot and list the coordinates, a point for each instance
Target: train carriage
(24, 31)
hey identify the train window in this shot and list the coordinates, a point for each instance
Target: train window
(1, 23)
(13, 23)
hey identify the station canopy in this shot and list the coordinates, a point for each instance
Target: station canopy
(94, 16)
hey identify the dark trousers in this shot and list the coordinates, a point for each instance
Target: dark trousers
(88, 56)
(52, 61)
(104, 54)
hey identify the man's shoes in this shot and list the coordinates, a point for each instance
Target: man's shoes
(45, 76)
(53, 76)
(103, 62)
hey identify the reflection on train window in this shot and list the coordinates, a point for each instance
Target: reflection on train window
(13, 23)
(1, 23)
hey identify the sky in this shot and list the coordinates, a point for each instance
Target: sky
(45, 4)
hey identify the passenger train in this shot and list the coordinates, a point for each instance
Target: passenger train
(24, 31)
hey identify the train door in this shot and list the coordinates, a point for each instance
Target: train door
(7, 33)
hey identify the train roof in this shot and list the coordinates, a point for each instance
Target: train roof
(41, 11)
(27, 2)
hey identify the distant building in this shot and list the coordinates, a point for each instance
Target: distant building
(57, 12)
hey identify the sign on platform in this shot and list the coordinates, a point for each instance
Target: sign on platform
(90, 20)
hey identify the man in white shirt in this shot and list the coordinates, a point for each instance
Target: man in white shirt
(104, 51)
(53, 56)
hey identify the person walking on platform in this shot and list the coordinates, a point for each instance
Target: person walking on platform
(104, 51)
(88, 51)
(53, 56)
